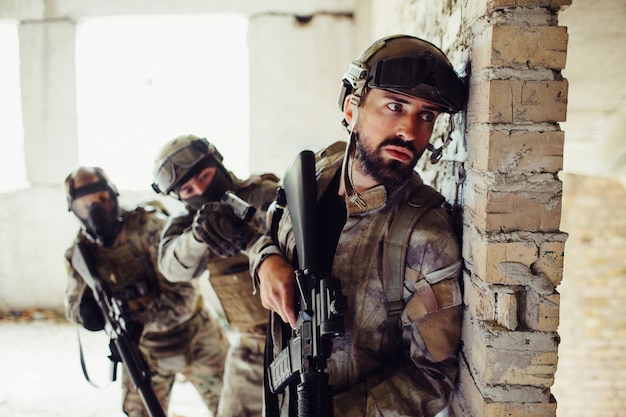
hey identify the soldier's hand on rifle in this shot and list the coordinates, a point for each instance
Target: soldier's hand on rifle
(217, 226)
(277, 288)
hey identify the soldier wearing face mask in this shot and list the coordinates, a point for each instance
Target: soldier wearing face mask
(170, 322)
(207, 236)
(95, 205)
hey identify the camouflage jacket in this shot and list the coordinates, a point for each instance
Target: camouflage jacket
(133, 259)
(183, 258)
(370, 376)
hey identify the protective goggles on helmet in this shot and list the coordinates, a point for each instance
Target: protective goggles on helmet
(80, 199)
(181, 161)
(75, 193)
(422, 76)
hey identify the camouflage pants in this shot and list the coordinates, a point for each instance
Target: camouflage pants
(242, 395)
(202, 365)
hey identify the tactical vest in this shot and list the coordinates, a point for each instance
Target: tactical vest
(128, 269)
(230, 278)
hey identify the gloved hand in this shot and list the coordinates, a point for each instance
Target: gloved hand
(217, 226)
(89, 311)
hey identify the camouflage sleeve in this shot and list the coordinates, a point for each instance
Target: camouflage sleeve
(262, 248)
(261, 195)
(152, 227)
(265, 246)
(328, 161)
(181, 257)
(74, 289)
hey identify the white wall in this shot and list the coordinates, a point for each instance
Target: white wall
(36, 229)
(295, 86)
(293, 95)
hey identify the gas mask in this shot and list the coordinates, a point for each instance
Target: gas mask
(103, 225)
(97, 208)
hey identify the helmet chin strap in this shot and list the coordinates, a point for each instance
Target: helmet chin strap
(348, 159)
(437, 153)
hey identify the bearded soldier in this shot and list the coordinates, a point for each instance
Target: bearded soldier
(397, 356)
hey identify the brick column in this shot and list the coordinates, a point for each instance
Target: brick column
(512, 245)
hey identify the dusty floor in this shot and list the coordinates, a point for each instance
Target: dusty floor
(41, 374)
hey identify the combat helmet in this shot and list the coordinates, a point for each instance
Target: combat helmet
(102, 221)
(406, 65)
(184, 157)
(177, 158)
(104, 184)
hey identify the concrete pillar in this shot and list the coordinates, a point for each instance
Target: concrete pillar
(296, 66)
(48, 99)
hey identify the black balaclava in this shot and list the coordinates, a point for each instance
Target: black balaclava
(220, 183)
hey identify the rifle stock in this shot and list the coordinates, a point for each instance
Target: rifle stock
(319, 301)
(116, 328)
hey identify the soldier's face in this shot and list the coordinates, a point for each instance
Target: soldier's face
(392, 133)
(197, 185)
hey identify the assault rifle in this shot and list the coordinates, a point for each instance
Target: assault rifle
(116, 327)
(319, 302)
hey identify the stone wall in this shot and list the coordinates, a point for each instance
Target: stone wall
(512, 204)
(502, 177)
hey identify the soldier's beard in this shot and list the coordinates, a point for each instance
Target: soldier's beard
(391, 172)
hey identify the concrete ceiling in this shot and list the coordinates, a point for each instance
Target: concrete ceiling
(596, 72)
